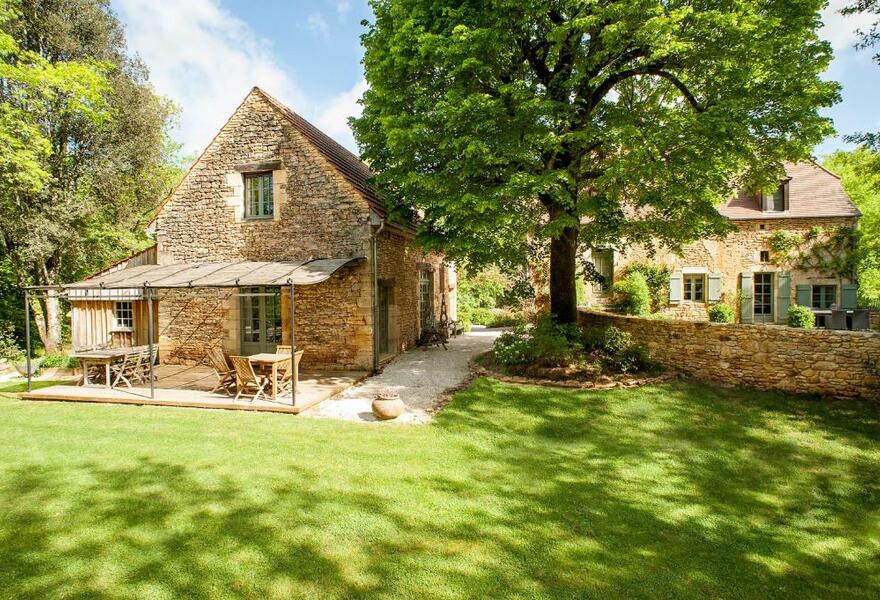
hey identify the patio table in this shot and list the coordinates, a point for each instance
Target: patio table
(270, 361)
(102, 358)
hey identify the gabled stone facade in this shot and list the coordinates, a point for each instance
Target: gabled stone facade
(739, 267)
(320, 211)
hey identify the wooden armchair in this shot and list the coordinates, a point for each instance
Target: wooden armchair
(225, 373)
(248, 383)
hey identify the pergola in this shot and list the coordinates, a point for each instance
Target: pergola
(143, 280)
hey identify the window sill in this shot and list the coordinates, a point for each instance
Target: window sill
(122, 330)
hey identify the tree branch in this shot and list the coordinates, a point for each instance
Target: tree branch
(652, 69)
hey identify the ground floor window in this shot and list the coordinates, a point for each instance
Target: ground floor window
(824, 296)
(603, 261)
(695, 288)
(123, 314)
(763, 294)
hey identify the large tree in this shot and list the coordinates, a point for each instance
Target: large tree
(87, 154)
(584, 122)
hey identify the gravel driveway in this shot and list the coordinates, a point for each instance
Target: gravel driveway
(420, 377)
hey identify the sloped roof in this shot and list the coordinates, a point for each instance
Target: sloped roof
(217, 274)
(814, 192)
(350, 166)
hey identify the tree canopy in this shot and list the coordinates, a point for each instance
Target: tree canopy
(85, 153)
(580, 122)
(859, 172)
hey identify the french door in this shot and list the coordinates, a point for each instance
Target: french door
(763, 297)
(260, 319)
(382, 322)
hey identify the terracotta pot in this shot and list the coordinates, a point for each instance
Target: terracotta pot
(388, 405)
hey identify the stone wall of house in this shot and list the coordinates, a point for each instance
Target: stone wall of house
(738, 252)
(192, 321)
(839, 364)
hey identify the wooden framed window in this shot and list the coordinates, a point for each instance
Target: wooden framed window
(824, 296)
(603, 261)
(778, 200)
(258, 201)
(765, 256)
(123, 316)
(694, 287)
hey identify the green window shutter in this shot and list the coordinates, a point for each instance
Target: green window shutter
(675, 287)
(783, 296)
(747, 308)
(848, 295)
(714, 287)
(804, 295)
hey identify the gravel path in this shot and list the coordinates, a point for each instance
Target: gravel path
(419, 376)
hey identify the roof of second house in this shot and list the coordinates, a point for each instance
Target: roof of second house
(814, 192)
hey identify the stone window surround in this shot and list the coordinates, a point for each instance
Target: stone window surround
(235, 199)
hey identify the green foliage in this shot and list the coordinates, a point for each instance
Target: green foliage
(618, 350)
(859, 172)
(502, 121)
(545, 344)
(486, 298)
(722, 313)
(84, 151)
(833, 252)
(10, 351)
(632, 295)
(58, 360)
(801, 317)
(657, 278)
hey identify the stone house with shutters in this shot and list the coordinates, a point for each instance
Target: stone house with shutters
(743, 268)
(272, 190)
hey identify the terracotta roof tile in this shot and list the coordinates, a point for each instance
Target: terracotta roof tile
(813, 193)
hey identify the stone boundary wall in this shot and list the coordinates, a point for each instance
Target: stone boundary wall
(837, 364)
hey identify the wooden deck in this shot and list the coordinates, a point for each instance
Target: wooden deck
(190, 386)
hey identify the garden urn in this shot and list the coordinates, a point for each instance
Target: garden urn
(388, 405)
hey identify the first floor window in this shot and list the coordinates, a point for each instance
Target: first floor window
(694, 288)
(824, 296)
(123, 314)
(258, 199)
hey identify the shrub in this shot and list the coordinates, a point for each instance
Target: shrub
(514, 347)
(801, 317)
(9, 349)
(657, 278)
(721, 313)
(619, 352)
(545, 344)
(632, 295)
(58, 360)
(478, 316)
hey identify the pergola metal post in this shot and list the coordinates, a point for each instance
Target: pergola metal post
(293, 372)
(148, 294)
(27, 336)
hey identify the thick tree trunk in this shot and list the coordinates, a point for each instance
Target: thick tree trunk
(52, 338)
(563, 264)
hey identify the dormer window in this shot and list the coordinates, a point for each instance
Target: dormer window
(258, 201)
(778, 200)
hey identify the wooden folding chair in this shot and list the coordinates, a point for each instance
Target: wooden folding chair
(225, 373)
(281, 349)
(120, 371)
(246, 378)
(290, 374)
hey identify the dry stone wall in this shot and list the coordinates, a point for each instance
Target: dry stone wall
(838, 364)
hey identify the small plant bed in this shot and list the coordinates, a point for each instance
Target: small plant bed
(567, 355)
(583, 375)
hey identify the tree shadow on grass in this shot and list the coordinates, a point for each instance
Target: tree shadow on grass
(672, 491)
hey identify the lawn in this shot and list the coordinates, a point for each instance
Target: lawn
(678, 490)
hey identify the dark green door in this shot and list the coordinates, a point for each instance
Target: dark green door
(260, 319)
(763, 297)
(382, 321)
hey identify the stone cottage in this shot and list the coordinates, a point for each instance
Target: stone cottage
(788, 247)
(272, 190)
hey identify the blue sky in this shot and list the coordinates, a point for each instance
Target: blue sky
(207, 54)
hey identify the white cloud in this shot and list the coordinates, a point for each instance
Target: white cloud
(840, 29)
(318, 24)
(205, 59)
(333, 119)
(343, 7)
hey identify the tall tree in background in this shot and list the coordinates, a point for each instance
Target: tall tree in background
(859, 172)
(574, 121)
(92, 135)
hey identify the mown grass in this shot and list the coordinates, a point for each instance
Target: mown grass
(678, 490)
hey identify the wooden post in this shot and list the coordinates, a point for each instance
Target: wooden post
(27, 336)
(293, 371)
(148, 294)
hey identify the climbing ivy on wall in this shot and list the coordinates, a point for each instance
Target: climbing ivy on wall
(831, 252)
